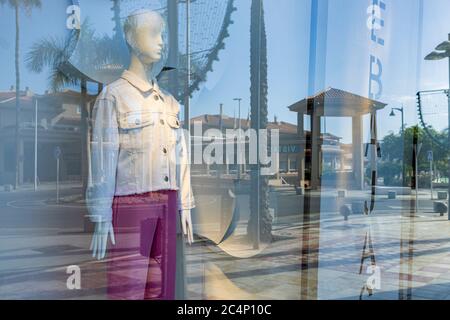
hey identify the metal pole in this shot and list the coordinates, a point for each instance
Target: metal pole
(221, 117)
(172, 60)
(239, 138)
(239, 156)
(431, 178)
(239, 114)
(403, 142)
(187, 120)
(35, 142)
(448, 115)
(403, 121)
(416, 151)
(221, 131)
(57, 180)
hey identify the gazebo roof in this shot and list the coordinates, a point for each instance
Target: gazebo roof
(336, 103)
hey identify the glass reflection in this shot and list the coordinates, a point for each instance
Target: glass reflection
(318, 139)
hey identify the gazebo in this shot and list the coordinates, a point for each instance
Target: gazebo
(332, 103)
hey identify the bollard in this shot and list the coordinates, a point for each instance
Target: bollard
(440, 207)
(300, 191)
(342, 193)
(345, 211)
(392, 195)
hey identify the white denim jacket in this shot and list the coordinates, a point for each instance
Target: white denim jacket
(137, 146)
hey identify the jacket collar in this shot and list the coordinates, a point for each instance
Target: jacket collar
(143, 86)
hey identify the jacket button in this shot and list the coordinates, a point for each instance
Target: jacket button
(164, 150)
(162, 121)
(156, 98)
(166, 178)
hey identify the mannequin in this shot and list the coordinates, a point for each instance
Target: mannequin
(139, 168)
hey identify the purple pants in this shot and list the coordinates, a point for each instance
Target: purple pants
(142, 264)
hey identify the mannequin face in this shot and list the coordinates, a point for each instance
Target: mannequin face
(149, 44)
(145, 37)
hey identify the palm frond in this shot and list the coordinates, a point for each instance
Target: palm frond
(27, 5)
(52, 53)
(11, 3)
(59, 79)
(47, 52)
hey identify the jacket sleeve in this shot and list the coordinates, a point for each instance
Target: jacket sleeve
(186, 199)
(104, 149)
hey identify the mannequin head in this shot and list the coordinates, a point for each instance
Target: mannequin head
(143, 34)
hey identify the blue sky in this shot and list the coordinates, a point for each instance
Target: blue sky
(347, 53)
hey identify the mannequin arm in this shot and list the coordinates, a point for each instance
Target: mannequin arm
(100, 239)
(186, 224)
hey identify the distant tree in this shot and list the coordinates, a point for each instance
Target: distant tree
(393, 155)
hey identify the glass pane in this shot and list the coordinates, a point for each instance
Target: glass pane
(304, 142)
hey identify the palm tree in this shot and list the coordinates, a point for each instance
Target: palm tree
(27, 5)
(55, 53)
(260, 222)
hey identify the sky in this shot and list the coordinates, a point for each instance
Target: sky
(345, 55)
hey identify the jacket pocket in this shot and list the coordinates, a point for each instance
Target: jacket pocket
(173, 121)
(175, 125)
(135, 120)
(133, 127)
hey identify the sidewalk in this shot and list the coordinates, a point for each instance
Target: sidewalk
(44, 186)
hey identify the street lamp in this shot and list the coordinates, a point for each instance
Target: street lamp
(239, 137)
(392, 114)
(443, 52)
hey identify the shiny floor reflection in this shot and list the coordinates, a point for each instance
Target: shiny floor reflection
(314, 258)
(391, 254)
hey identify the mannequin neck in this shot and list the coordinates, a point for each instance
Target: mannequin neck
(139, 69)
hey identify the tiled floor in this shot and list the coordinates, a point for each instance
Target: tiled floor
(412, 254)
(320, 259)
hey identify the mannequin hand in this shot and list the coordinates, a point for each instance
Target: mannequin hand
(100, 239)
(186, 224)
